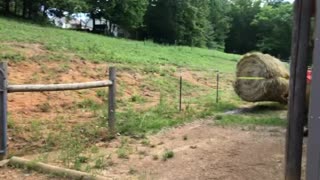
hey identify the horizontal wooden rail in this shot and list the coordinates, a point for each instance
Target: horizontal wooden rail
(58, 171)
(57, 87)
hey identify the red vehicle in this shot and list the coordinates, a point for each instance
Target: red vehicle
(309, 79)
(309, 76)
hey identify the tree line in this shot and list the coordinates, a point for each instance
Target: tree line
(236, 26)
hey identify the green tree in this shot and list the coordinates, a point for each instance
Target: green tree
(275, 3)
(161, 22)
(193, 26)
(126, 13)
(242, 36)
(274, 24)
(129, 13)
(185, 22)
(220, 22)
(69, 5)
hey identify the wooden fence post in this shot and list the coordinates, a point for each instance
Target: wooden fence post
(112, 100)
(3, 110)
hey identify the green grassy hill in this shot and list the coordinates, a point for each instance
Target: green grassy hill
(100, 48)
(147, 88)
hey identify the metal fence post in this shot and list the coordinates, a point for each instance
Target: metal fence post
(112, 100)
(217, 93)
(3, 110)
(180, 94)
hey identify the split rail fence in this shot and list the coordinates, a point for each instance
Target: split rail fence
(6, 88)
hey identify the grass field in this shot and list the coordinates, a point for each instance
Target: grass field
(104, 49)
(146, 105)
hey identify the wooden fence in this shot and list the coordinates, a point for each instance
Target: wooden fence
(6, 88)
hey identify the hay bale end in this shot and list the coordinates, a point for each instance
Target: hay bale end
(261, 77)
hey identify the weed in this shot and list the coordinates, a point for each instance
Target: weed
(109, 161)
(45, 107)
(185, 137)
(88, 131)
(168, 154)
(137, 98)
(143, 153)
(44, 68)
(87, 168)
(34, 78)
(155, 157)
(102, 94)
(64, 67)
(218, 117)
(151, 69)
(89, 104)
(16, 57)
(100, 163)
(94, 149)
(123, 153)
(79, 160)
(145, 142)
(82, 159)
(132, 171)
(124, 150)
(167, 71)
(71, 146)
(43, 158)
(11, 124)
(50, 142)
(58, 57)
(35, 130)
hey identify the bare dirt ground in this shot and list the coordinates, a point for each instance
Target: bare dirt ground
(202, 150)
(212, 152)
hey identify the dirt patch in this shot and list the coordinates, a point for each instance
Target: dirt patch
(201, 150)
(193, 77)
(207, 79)
(213, 153)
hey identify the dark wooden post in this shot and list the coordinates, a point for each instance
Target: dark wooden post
(3, 110)
(313, 154)
(297, 97)
(112, 100)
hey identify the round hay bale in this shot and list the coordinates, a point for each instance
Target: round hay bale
(261, 77)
